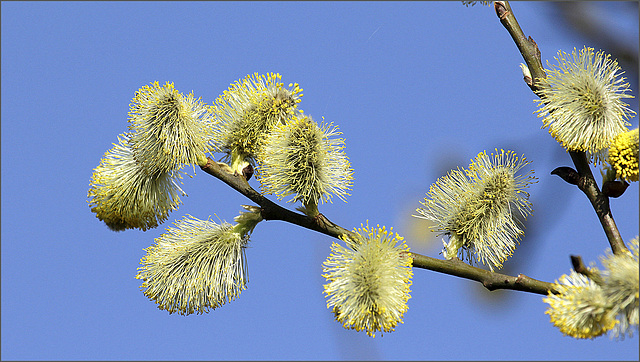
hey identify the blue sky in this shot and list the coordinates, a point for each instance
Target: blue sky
(416, 88)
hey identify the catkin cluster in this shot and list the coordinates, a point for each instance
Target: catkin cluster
(198, 265)
(136, 183)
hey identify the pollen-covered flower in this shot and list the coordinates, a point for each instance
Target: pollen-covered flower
(581, 309)
(369, 280)
(623, 155)
(582, 101)
(476, 208)
(621, 287)
(304, 159)
(169, 129)
(195, 266)
(125, 195)
(247, 112)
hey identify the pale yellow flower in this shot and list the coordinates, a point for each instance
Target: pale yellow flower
(196, 265)
(621, 287)
(476, 208)
(580, 310)
(369, 280)
(169, 130)
(582, 101)
(586, 308)
(247, 112)
(304, 159)
(124, 194)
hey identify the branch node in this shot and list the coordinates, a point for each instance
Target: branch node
(538, 55)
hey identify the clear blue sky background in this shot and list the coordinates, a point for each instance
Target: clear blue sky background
(417, 89)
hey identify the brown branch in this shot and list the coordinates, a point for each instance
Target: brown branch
(527, 46)
(490, 280)
(586, 183)
(599, 201)
(269, 209)
(579, 267)
(273, 211)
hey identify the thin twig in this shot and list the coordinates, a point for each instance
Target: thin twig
(531, 54)
(579, 267)
(490, 280)
(273, 211)
(527, 46)
(599, 201)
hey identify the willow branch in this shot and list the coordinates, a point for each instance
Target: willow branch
(586, 183)
(527, 46)
(490, 280)
(579, 267)
(599, 201)
(273, 211)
